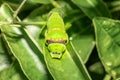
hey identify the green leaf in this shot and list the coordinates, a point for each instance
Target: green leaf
(4, 57)
(83, 43)
(36, 30)
(13, 73)
(15, 4)
(96, 68)
(39, 12)
(18, 44)
(107, 33)
(82, 37)
(93, 8)
(68, 67)
(40, 1)
(37, 15)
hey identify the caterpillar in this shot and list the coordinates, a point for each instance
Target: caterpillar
(56, 37)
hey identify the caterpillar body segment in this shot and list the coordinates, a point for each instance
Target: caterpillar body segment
(56, 37)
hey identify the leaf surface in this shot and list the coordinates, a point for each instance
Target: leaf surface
(93, 8)
(107, 33)
(18, 44)
(63, 68)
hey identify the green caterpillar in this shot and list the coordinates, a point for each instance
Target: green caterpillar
(56, 37)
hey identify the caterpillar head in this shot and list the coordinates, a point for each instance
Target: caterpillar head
(56, 50)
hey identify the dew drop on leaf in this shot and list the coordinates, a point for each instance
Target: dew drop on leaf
(71, 38)
(108, 63)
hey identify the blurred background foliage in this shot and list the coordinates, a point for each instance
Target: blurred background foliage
(88, 23)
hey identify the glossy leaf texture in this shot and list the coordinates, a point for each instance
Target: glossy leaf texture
(18, 44)
(13, 73)
(36, 31)
(107, 33)
(82, 38)
(63, 68)
(93, 8)
(4, 57)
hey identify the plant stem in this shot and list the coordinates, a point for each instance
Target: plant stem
(17, 24)
(55, 4)
(31, 23)
(18, 10)
(10, 24)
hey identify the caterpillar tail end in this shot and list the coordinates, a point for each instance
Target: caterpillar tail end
(56, 55)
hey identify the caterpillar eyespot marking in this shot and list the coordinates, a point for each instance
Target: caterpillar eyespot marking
(59, 41)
